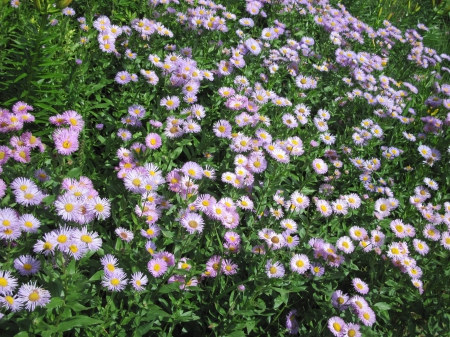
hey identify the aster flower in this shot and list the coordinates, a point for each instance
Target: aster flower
(228, 267)
(33, 296)
(324, 208)
(28, 223)
(193, 223)
(170, 102)
(367, 316)
(157, 267)
(317, 269)
(139, 281)
(47, 245)
(27, 265)
(340, 300)
(101, 207)
(91, 240)
(345, 244)
(7, 283)
(319, 166)
(124, 234)
(360, 286)
(115, 281)
(300, 263)
(68, 207)
(274, 269)
(122, 77)
(337, 326)
(11, 302)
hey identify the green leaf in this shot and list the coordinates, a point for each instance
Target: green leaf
(49, 200)
(54, 303)
(22, 334)
(382, 306)
(74, 173)
(78, 321)
(18, 78)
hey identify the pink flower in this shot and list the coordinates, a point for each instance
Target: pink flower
(153, 141)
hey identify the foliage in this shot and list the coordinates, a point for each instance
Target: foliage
(128, 208)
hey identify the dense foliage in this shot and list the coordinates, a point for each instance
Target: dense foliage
(246, 168)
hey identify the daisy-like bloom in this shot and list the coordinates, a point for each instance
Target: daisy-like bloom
(152, 231)
(357, 233)
(74, 120)
(430, 232)
(345, 244)
(222, 129)
(352, 330)
(245, 203)
(360, 286)
(421, 247)
(339, 300)
(77, 250)
(90, 239)
(62, 236)
(68, 207)
(150, 247)
(377, 238)
(33, 296)
(166, 256)
(337, 326)
(66, 141)
(317, 269)
(138, 281)
(291, 323)
(274, 270)
(445, 240)
(275, 241)
(115, 281)
(137, 111)
(324, 207)
(193, 223)
(289, 224)
(291, 240)
(122, 77)
(299, 263)
(47, 245)
(193, 170)
(124, 234)
(109, 263)
(157, 267)
(170, 102)
(209, 172)
(68, 11)
(228, 267)
(7, 283)
(11, 302)
(414, 271)
(398, 228)
(395, 251)
(101, 207)
(41, 175)
(340, 206)
(319, 166)
(358, 303)
(124, 134)
(367, 316)
(431, 184)
(27, 265)
(31, 196)
(299, 200)
(232, 238)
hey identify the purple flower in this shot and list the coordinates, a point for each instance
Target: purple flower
(123, 77)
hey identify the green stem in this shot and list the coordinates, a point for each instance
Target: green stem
(35, 55)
